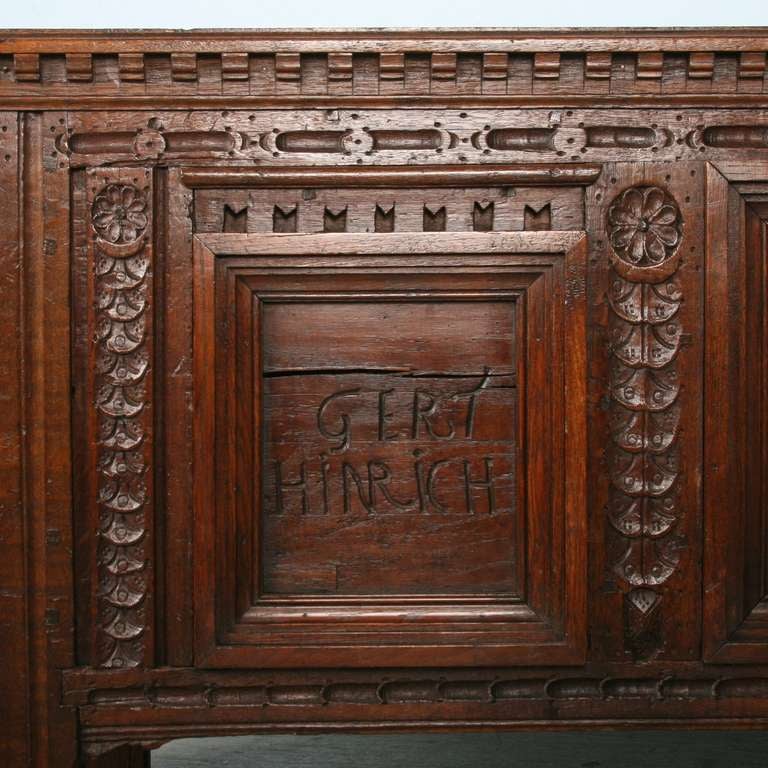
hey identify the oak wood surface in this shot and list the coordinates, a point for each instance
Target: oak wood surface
(380, 380)
(354, 281)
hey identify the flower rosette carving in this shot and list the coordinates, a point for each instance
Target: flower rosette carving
(119, 213)
(645, 230)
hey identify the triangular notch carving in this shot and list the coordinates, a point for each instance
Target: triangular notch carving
(235, 220)
(384, 219)
(335, 220)
(534, 220)
(284, 219)
(434, 220)
(482, 217)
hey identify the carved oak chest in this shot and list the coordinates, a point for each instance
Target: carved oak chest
(380, 380)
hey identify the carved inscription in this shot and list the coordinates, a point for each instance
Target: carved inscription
(378, 470)
(439, 415)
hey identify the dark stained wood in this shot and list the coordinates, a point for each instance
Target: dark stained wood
(484, 209)
(40, 570)
(392, 177)
(647, 318)
(378, 67)
(176, 257)
(55, 537)
(446, 314)
(736, 371)
(392, 500)
(14, 635)
(124, 756)
(341, 392)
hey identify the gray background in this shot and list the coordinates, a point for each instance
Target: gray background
(379, 13)
(684, 749)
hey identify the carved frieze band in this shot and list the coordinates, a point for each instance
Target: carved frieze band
(121, 249)
(160, 692)
(458, 138)
(645, 230)
(393, 73)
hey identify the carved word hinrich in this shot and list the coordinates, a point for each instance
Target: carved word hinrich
(420, 479)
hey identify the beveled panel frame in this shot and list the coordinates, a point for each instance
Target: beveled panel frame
(736, 415)
(235, 626)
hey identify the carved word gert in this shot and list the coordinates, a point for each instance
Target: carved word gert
(432, 483)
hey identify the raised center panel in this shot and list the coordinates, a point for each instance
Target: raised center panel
(386, 426)
(390, 446)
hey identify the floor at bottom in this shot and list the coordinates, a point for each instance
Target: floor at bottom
(678, 749)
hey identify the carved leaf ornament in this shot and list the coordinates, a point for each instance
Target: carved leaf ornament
(645, 229)
(120, 222)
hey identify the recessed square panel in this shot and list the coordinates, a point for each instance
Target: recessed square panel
(390, 442)
(388, 422)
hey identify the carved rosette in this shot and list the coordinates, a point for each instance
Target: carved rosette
(122, 264)
(645, 230)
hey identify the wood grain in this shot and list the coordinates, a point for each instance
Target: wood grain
(400, 315)
(380, 379)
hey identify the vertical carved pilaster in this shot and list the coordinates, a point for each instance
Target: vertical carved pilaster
(645, 231)
(121, 258)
